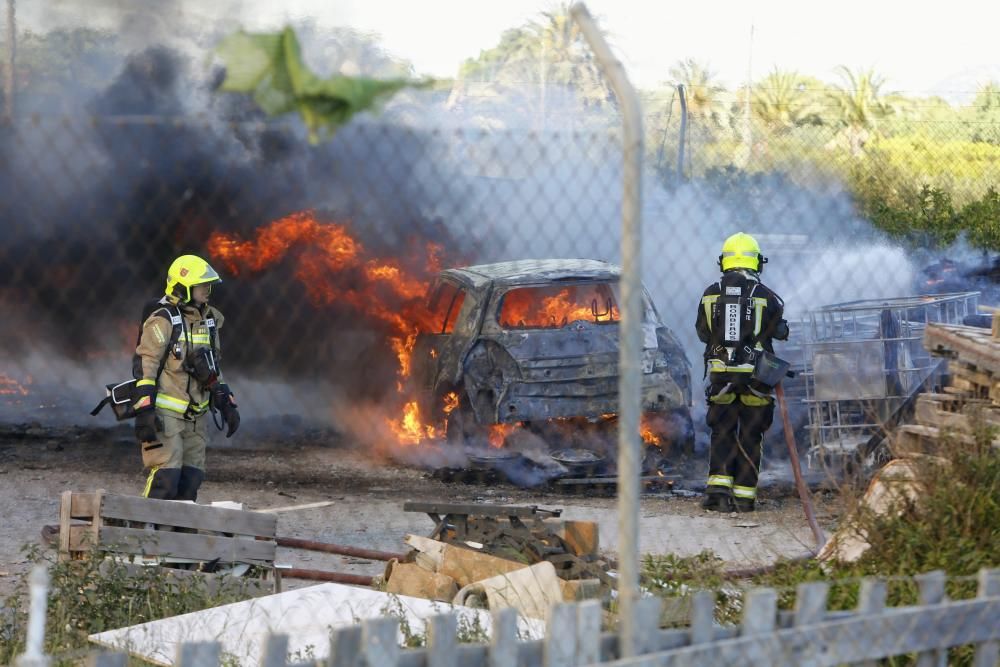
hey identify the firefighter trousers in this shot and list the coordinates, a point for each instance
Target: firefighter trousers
(738, 426)
(176, 464)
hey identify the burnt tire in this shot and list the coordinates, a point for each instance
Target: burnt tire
(462, 429)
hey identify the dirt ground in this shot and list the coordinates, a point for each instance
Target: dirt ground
(297, 466)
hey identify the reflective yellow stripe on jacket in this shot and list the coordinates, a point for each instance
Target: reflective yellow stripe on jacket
(707, 302)
(178, 405)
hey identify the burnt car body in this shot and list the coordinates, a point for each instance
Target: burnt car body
(537, 340)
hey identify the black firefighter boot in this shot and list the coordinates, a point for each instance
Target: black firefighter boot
(717, 502)
(189, 483)
(162, 483)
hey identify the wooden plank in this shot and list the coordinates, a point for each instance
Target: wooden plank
(702, 616)
(441, 641)
(97, 522)
(65, 503)
(503, 642)
(345, 647)
(189, 515)
(972, 345)
(182, 545)
(588, 632)
(560, 637)
(647, 624)
(274, 653)
(834, 642)
(378, 641)
(198, 654)
(84, 505)
(760, 611)
(871, 602)
(932, 592)
(988, 653)
(810, 602)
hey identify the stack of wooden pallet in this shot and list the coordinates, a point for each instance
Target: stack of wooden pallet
(971, 401)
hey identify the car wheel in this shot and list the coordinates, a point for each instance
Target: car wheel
(676, 427)
(462, 429)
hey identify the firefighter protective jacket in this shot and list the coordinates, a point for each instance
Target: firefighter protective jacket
(177, 393)
(738, 316)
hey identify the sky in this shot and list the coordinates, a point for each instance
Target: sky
(945, 48)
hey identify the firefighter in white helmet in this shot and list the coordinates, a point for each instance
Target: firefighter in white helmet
(737, 320)
(176, 366)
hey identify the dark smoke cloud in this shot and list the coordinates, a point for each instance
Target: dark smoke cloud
(98, 206)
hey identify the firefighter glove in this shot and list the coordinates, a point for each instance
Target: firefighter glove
(143, 403)
(225, 402)
(781, 330)
(145, 426)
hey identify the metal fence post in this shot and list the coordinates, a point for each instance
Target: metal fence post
(34, 649)
(8, 101)
(630, 348)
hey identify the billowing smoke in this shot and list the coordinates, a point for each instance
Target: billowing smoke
(156, 162)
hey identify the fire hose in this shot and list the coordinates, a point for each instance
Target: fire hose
(342, 550)
(800, 483)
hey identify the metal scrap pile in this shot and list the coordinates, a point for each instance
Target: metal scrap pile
(500, 556)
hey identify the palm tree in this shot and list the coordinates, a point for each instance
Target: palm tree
(784, 99)
(702, 92)
(542, 56)
(553, 51)
(860, 105)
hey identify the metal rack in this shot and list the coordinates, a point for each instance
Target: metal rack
(864, 361)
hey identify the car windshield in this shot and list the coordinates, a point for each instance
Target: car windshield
(555, 306)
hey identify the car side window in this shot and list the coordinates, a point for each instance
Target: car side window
(444, 306)
(555, 306)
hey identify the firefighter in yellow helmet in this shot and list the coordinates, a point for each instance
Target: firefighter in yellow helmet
(737, 319)
(176, 366)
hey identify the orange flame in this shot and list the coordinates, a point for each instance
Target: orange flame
(336, 268)
(499, 432)
(410, 429)
(544, 308)
(11, 387)
(450, 402)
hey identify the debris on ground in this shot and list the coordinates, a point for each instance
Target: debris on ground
(531, 590)
(965, 410)
(501, 556)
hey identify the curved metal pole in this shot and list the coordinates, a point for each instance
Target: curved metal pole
(630, 347)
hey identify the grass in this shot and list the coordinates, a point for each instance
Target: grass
(953, 525)
(94, 595)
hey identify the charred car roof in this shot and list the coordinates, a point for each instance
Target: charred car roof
(530, 271)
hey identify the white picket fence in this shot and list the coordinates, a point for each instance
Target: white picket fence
(809, 635)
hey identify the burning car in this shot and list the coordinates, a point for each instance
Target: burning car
(536, 341)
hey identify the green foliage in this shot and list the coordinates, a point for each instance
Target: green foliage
(270, 67)
(95, 595)
(536, 64)
(954, 527)
(784, 100)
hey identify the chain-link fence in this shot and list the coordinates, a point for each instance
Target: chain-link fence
(446, 269)
(328, 251)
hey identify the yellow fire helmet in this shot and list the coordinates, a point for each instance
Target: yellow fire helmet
(741, 251)
(186, 272)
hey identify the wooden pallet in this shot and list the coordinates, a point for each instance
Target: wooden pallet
(153, 529)
(976, 349)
